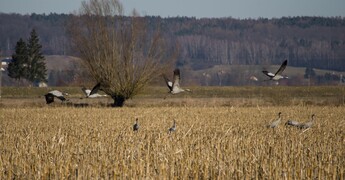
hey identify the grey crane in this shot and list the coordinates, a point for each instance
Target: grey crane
(276, 122)
(308, 124)
(174, 86)
(292, 123)
(278, 75)
(172, 128)
(87, 93)
(55, 93)
(136, 125)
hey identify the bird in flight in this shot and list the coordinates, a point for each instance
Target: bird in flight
(95, 89)
(174, 86)
(278, 75)
(87, 93)
(55, 93)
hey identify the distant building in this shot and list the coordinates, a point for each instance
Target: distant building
(40, 84)
(5, 62)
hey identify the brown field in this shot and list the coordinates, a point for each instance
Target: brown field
(225, 142)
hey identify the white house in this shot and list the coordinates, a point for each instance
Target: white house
(5, 62)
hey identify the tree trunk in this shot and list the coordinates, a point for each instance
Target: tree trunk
(119, 100)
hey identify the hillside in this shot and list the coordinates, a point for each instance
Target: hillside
(220, 75)
(70, 71)
(210, 44)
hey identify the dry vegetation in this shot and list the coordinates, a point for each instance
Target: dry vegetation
(210, 143)
(153, 96)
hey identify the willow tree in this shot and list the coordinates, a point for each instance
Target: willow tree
(121, 52)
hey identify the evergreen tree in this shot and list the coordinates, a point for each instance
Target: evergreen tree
(309, 73)
(28, 61)
(37, 68)
(17, 68)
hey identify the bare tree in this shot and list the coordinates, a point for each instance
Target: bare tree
(122, 53)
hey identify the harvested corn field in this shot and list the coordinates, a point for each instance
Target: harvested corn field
(209, 142)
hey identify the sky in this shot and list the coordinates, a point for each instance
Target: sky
(192, 8)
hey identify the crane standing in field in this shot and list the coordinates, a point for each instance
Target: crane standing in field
(308, 124)
(292, 123)
(276, 122)
(136, 126)
(172, 128)
(55, 93)
(278, 75)
(174, 86)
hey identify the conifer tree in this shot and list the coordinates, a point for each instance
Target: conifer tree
(28, 61)
(17, 68)
(309, 73)
(36, 66)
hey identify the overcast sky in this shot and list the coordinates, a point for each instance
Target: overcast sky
(193, 8)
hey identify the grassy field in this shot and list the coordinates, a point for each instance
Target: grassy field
(221, 133)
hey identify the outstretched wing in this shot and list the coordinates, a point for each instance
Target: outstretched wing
(49, 98)
(56, 93)
(168, 82)
(176, 78)
(61, 98)
(95, 89)
(86, 91)
(282, 67)
(269, 74)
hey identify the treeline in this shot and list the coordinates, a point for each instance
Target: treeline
(305, 42)
(50, 28)
(314, 42)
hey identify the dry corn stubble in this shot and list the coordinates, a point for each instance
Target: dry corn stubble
(224, 142)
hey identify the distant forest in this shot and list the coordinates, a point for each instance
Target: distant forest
(314, 42)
